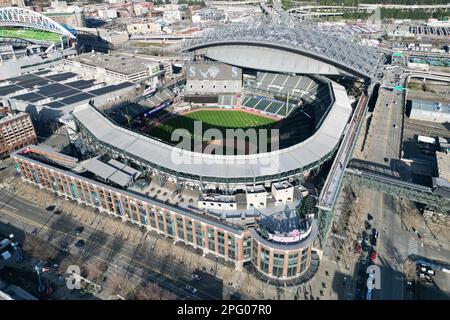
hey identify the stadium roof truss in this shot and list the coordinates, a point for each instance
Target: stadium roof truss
(302, 37)
(20, 17)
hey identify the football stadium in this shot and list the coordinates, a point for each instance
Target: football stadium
(30, 41)
(261, 109)
(23, 24)
(29, 34)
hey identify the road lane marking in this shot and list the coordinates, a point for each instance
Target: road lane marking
(33, 223)
(103, 244)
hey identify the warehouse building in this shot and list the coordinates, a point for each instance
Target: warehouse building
(443, 165)
(50, 95)
(100, 40)
(441, 183)
(427, 110)
(117, 67)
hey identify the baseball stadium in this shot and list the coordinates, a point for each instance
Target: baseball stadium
(251, 78)
(284, 82)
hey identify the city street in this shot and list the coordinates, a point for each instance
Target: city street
(135, 260)
(396, 242)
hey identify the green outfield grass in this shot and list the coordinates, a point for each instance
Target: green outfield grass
(30, 34)
(219, 119)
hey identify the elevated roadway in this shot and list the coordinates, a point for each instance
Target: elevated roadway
(333, 183)
(330, 189)
(371, 7)
(233, 3)
(438, 76)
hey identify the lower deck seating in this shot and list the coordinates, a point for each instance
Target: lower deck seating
(269, 106)
(159, 97)
(227, 100)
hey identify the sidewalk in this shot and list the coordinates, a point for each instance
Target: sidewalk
(132, 234)
(232, 279)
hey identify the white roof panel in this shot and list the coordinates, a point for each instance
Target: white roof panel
(120, 178)
(99, 168)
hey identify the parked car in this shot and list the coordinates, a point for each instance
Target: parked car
(190, 289)
(425, 277)
(373, 256)
(375, 233)
(374, 237)
(80, 243)
(360, 239)
(366, 244)
(79, 230)
(364, 234)
(19, 256)
(196, 276)
(65, 247)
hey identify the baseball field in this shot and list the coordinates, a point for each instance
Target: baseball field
(218, 119)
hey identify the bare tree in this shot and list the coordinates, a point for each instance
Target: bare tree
(94, 244)
(125, 285)
(152, 291)
(39, 249)
(66, 262)
(95, 269)
(116, 246)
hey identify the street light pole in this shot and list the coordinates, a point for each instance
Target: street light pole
(37, 268)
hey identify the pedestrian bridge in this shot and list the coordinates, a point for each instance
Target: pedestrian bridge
(393, 185)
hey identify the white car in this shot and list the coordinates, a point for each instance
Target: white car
(196, 276)
(190, 289)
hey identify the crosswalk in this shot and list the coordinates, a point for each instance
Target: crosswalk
(412, 247)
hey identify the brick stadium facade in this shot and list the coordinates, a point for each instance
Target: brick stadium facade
(237, 244)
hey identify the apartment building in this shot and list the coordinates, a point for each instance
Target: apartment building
(16, 131)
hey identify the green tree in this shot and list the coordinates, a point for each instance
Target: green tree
(287, 4)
